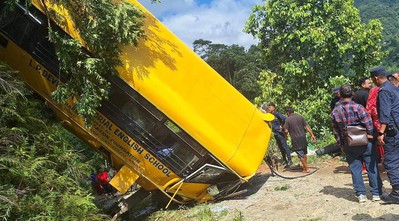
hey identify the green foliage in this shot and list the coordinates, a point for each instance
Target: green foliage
(314, 108)
(41, 164)
(240, 67)
(387, 11)
(104, 26)
(271, 89)
(310, 47)
(307, 42)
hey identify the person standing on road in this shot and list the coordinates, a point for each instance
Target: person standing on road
(361, 95)
(295, 125)
(349, 113)
(388, 113)
(371, 108)
(277, 125)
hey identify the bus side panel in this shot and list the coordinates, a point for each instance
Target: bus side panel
(253, 147)
(105, 133)
(170, 75)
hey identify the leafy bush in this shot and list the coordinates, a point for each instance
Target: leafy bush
(41, 164)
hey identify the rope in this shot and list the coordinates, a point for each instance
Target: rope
(171, 199)
(269, 163)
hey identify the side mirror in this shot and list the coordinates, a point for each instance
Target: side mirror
(268, 117)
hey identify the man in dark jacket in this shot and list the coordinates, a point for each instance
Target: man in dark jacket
(388, 136)
(361, 95)
(277, 125)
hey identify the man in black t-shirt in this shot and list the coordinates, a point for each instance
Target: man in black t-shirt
(361, 95)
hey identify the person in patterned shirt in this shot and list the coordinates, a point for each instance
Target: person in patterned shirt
(348, 113)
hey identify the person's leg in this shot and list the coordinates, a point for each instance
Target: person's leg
(280, 147)
(391, 164)
(355, 166)
(370, 160)
(304, 162)
(303, 158)
(284, 149)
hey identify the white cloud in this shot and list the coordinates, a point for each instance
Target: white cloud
(220, 21)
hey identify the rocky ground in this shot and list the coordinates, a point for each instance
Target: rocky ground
(327, 194)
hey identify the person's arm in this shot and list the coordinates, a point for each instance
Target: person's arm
(336, 129)
(310, 132)
(308, 129)
(285, 129)
(286, 134)
(281, 119)
(365, 120)
(384, 111)
(371, 107)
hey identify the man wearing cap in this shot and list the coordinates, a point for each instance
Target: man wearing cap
(277, 125)
(349, 113)
(388, 113)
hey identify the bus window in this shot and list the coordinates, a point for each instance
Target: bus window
(15, 26)
(178, 153)
(45, 53)
(159, 135)
(28, 30)
(138, 98)
(130, 109)
(185, 137)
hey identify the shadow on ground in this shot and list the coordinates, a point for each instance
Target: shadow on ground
(254, 185)
(368, 217)
(342, 170)
(344, 193)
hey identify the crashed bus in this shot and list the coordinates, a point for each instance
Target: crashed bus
(181, 129)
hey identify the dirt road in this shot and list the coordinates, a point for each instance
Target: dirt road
(325, 195)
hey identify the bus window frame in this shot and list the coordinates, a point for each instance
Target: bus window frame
(148, 106)
(117, 116)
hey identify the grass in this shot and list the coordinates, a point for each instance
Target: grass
(283, 187)
(203, 212)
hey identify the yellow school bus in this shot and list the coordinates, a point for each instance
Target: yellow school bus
(171, 123)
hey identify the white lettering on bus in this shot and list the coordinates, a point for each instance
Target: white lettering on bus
(157, 164)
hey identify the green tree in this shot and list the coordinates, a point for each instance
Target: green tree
(307, 42)
(103, 26)
(240, 67)
(387, 11)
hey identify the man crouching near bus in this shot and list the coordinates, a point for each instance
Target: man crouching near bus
(295, 125)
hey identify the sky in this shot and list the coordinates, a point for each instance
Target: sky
(220, 21)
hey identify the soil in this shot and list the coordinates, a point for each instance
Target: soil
(326, 194)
